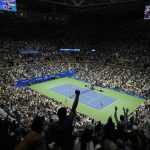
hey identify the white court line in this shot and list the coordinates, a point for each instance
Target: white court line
(93, 106)
(63, 93)
(101, 107)
(104, 106)
(88, 96)
(93, 101)
(60, 92)
(109, 105)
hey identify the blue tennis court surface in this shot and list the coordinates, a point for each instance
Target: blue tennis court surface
(87, 97)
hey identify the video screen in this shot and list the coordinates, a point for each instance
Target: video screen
(147, 12)
(8, 5)
(70, 49)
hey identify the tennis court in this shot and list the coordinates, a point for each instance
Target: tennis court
(90, 100)
(88, 97)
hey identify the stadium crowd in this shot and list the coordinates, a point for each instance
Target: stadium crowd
(128, 71)
(29, 120)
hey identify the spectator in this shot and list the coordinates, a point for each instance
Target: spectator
(109, 129)
(34, 139)
(85, 142)
(61, 132)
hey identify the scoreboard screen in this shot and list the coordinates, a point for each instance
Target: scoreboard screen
(70, 49)
(8, 5)
(147, 12)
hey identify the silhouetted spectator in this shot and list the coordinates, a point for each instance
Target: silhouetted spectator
(61, 132)
(34, 139)
(109, 129)
(85, 142)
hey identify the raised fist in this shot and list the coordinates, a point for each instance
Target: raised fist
(123, 109)
(77, 92)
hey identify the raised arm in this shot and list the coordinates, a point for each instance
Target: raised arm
(115, 114)
(75, 103)
(126, 114)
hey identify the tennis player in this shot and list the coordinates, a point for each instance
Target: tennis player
(101, 103)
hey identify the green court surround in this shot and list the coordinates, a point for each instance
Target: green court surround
(123, 100)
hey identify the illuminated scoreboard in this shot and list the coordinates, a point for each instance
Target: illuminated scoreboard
(8, 5)
(70, 49)
(147, 12)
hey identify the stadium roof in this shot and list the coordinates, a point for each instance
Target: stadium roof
(76, 5)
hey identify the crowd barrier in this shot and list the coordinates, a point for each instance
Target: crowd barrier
(44, 78)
